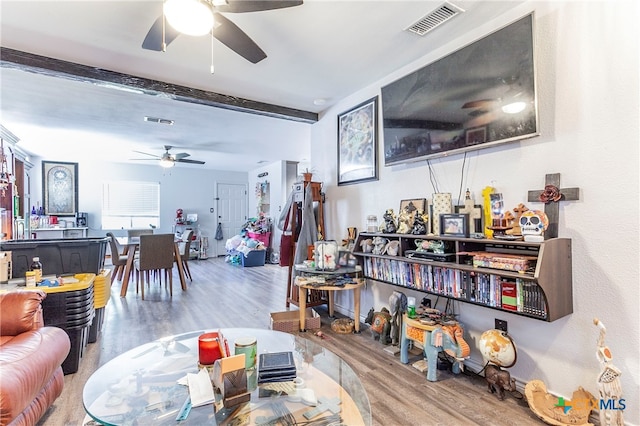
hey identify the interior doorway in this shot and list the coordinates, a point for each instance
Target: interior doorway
(232, 200)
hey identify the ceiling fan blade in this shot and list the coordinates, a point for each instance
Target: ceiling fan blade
(181, 155)
(153, 40)
(242, 6)
(237, 40)
(146, 153)
(184, 160)
(481, 103)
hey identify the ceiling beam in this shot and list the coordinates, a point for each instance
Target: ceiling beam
(29, 62)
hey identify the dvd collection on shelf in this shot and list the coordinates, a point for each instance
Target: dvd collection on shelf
(517, 295)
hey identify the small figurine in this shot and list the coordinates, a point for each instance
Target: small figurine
(380, 323)
(379, 245)
(389, 225)
(420, 223)
(392, 248)
(404, 221)
(533, 223)
(609, 386)
(498, 380)
(367, 245)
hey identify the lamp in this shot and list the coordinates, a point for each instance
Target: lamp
(191, 17)
(167, 162)
(514, 107)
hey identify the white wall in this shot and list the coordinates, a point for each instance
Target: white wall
(191, 189)
(587, 65)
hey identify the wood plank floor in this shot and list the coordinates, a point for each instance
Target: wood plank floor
(224, 295)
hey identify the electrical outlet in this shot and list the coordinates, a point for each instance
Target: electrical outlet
(501, 325)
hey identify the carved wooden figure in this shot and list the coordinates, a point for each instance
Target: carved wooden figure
(498, 380)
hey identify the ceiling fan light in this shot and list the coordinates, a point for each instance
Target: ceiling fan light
(190, 17)
(514, 107)
(167, 163)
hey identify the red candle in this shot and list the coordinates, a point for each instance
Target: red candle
(208, 348)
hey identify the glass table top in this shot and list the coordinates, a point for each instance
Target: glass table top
(140, 386)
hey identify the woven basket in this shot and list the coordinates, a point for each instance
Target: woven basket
(342, 326)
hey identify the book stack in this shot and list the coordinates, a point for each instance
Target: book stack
(276, 367)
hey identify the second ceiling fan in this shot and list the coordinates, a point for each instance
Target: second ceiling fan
(169, 160)
(208, 13)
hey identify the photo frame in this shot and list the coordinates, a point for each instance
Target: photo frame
(358, 143)
(454, 225)
(59, 188)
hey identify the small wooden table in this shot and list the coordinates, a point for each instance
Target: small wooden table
(130, 246)
(305, 286)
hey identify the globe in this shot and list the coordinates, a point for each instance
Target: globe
(497, 348)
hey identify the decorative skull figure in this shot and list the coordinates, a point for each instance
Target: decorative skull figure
(533, 224)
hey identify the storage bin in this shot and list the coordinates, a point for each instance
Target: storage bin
(254, 258)
(58, 257)
(101, 295)
(289, 321)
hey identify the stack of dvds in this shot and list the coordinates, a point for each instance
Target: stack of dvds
(276, 367)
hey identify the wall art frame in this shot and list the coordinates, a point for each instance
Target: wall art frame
(454, 224)
(358, 143)
(60, 188)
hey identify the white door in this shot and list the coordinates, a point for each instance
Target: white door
(232, 212)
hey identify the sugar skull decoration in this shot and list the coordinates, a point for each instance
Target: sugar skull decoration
(533, 224)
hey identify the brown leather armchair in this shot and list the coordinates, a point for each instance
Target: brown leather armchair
(31, 358)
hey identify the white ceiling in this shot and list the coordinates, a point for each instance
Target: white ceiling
(319, 50)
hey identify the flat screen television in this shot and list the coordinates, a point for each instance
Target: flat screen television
(481, 95)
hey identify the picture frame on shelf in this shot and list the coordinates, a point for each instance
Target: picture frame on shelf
(454, 225)
(59, 188)
(358, 143)
(414, 205)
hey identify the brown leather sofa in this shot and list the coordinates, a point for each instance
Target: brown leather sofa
(31, 356)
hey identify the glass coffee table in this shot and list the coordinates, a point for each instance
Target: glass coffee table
(140, 386)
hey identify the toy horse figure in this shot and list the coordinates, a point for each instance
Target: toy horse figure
(380, 323)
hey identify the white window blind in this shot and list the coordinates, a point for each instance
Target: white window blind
(128, 205)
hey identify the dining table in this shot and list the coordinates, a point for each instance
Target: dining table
(131, 245)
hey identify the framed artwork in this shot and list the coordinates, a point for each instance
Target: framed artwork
(358, 143)
(454, 224)
(413, 206)
(60, 188)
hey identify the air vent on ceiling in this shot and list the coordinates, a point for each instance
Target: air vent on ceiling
(435, 18)
(159, 120)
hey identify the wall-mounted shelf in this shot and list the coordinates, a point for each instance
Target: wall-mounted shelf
(543, 291)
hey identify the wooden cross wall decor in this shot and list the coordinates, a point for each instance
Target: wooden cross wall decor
(551, 195)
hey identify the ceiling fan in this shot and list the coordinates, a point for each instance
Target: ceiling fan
(221, 28)
(510, 101)
(167, 159)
